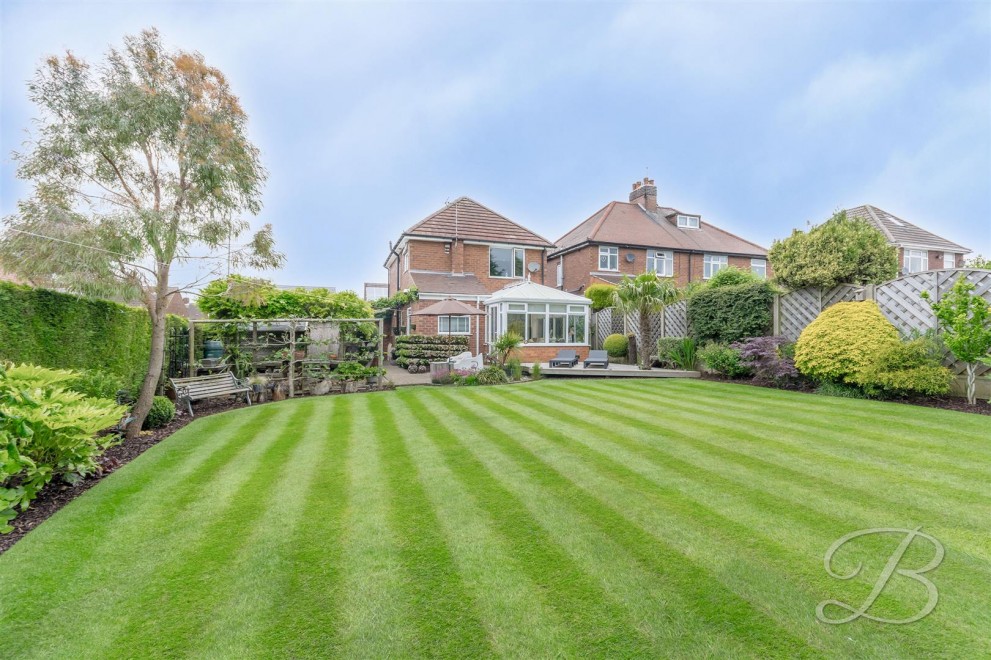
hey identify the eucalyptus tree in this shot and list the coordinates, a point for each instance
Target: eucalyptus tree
(137, 164)
(645, 294)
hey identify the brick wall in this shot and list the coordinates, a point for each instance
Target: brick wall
(427, 325)
(579, 265)
(543, 354)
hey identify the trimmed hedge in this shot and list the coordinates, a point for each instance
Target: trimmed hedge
(424, 349)
(730, 313)
(62, 331)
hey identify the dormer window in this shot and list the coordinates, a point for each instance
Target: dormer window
(688, 221)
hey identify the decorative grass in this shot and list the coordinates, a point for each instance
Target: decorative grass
(654, 518)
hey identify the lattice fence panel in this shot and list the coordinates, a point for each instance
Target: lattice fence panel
(676, 319)
(900, 301)
(655, 329)
(605, 322)
(981, 279)
(797, 309)
(842, 293)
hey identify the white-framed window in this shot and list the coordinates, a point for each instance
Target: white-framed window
(688, 221)
(916, 261)
(949, 260)
(608, 258)
(712, 264)
(406, 259)
(560, 271)
(660, 262)
(759, 268)
(506, 261)
(454, 325)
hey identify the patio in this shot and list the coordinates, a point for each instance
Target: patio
(612, 371)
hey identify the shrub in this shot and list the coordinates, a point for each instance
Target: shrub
(685, 354)
(535, 373)
(732, 276)
(730, 313)
(666, 347)
(841, 390)
(491, 375)
(723, 360)
(844, 340)
(616, 345)
(601, 296)
(514, 369)
(162, 412)
(905, 368)
(98, 384)
(46, 431)
(841, 250)
(765, 359)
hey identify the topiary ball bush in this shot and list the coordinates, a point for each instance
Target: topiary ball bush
(844, 340)
(162, 412)
(616, 346)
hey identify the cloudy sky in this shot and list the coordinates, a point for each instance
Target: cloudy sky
(760, 116)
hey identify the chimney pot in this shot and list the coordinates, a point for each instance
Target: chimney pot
(645, 193)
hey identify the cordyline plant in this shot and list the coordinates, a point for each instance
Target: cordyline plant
(965, 323)
(645, 294)
(137, 165)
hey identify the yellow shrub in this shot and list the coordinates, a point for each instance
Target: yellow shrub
(843, 340)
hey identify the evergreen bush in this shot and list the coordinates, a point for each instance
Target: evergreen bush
(730, 313)
(162, 412)
(844, 340)
(616, 345)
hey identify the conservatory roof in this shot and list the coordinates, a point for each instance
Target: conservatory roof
(527, 291)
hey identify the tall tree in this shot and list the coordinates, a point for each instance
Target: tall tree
(842, 250)
(645, 294)
(137, 164)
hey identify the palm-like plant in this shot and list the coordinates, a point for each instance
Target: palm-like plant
(645, 294)
(506, 345)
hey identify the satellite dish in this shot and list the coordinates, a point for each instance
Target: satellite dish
(630, 257)
(533, 267)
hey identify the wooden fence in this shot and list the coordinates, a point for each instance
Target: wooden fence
(899, 300)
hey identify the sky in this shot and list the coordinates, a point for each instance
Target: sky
(761, 117)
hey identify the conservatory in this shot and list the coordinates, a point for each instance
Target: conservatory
(548, 319)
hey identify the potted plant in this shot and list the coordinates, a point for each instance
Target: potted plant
(372, 375)
(258, 384)
(348, 374)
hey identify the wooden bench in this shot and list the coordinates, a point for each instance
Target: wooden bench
(197, 388)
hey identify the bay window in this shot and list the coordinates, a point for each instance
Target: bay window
(506, 261)
(608, 258)
(712, 264)
(660, 262)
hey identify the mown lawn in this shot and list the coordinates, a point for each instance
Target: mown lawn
(636, 518)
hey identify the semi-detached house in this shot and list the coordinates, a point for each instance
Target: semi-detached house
(637, 236)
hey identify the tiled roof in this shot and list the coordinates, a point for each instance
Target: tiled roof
(467, 285)
(902, 232)
(623, 223)
(466, 219)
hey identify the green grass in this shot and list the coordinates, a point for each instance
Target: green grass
(559, 518)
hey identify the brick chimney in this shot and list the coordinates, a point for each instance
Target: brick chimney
(645, 194)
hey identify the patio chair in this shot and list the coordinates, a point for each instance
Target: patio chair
(564, 358)
(597, 359)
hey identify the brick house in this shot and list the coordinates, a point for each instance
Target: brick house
(918, 249)
(629, 238)
(465, 251)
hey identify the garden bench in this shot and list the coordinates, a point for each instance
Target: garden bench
(197, 388)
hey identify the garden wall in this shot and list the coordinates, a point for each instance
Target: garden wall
(63, 331)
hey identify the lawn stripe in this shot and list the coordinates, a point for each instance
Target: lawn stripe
(649, 607)
(447, 624)
(104, 536)
(815, 538)
(778, 453)
(576, 596)
(375, 621)
(310, 626)
(199, 564)
(972, 428)
(841, 435)
(710, 601)
(259, 573)
(513, 608)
